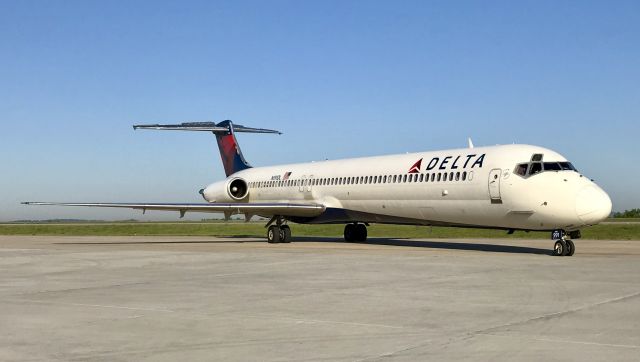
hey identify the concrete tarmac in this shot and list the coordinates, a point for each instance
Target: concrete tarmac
(237, 299)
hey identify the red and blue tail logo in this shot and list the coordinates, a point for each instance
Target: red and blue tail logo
(232, 158)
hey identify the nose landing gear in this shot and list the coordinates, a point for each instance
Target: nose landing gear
(564, 247)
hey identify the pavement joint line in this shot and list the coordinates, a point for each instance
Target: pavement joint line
(311, 321)
(561, 313)
(88, 305)
(208, 344)
(629, 346)
(543, 317)
(84, 288)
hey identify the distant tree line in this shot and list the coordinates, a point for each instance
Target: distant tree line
(628, 213)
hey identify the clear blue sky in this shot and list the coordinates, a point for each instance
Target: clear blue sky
(339, 78)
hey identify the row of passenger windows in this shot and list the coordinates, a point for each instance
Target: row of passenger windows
(429, 177)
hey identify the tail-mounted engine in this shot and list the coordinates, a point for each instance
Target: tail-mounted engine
(238, 189)
(230, 190)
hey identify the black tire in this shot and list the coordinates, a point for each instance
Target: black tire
(273, 234)
(285, 234)
(571, 248)
(361, 232)
(349, 233)
(560, 248)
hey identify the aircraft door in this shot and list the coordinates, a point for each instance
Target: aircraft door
(494, 184)
(303, 183)
(310, 183)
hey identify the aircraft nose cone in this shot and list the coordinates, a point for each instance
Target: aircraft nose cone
(592, 205)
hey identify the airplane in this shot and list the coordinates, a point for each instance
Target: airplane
(507, 187)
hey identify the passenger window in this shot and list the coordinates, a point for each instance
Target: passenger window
(394, 178)
(439, 176)
(457, 176)
(451, 176)
(421, 177)
(464, 175)
(470, 175)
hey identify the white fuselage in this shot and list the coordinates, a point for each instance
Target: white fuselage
(472, 187)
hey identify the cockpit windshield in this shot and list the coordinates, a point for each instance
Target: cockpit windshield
(531, 168)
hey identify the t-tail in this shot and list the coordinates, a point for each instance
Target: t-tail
(232, 158)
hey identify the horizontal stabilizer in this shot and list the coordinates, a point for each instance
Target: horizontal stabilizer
(223, 127)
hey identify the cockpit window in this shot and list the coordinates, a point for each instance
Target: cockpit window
(521, 169)
(551, 166)
(535, 168)
(532, 168)
(567, 166)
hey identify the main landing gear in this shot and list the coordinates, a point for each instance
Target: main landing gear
(564, 247)
(355, 232)
(278, 233)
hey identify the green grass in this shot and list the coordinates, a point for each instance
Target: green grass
(599, 232)
(623, 219)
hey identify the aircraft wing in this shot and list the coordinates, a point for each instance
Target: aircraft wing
(263, 209)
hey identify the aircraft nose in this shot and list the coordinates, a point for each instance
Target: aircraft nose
(592, 205)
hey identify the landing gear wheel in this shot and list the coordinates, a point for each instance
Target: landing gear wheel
(361, 232)
(273, 234)
(285, 234)
(560, 248)
(571, 248)
(350, 233)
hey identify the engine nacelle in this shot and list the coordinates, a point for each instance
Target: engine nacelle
(230, 190)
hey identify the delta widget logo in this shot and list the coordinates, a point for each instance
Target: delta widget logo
(416, 167)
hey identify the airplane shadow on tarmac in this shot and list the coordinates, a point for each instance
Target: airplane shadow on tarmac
(491, 248)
